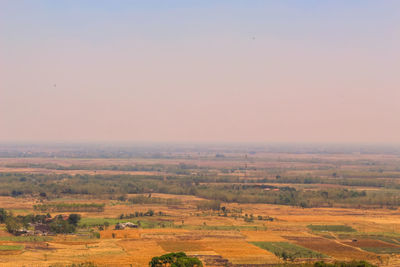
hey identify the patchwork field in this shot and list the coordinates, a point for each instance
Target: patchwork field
(211, 237)
(263, 209)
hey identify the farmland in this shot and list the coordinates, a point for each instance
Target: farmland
(227, 206)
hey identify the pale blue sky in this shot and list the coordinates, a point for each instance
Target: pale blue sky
(200, 71)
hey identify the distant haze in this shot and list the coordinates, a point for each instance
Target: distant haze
(200, 71)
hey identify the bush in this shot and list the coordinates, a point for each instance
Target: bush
(74, 219)
(60, 226)
(175, 260)
(12, 225)
(3, 215)
(96, 235)
(208, 205)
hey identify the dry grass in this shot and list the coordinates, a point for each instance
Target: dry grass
(241, 252)
(186, 246)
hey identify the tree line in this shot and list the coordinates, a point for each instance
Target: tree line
(68, 207)
(49, 186)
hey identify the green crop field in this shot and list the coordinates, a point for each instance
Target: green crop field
(382, 250)
(287, 250)
(11, 247)
(25, 238)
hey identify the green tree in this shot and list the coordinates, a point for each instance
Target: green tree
(179, 259)
(12, 225)
(74, 219)
(62, 227)
(3, 215)
(150, 212)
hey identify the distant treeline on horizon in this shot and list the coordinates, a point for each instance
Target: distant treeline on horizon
(171, 150)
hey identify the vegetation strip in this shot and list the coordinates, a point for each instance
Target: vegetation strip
(11, 247)
(288, 251)
(331, 228)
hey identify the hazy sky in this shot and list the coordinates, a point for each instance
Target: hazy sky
(256, 71)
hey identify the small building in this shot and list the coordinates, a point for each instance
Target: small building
(130, 225)
(22, 231)
(121, 226)
(42, 229)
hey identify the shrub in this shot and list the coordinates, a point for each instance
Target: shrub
(60, 226)
(208, 205)
(175, 260)
(12, 225)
